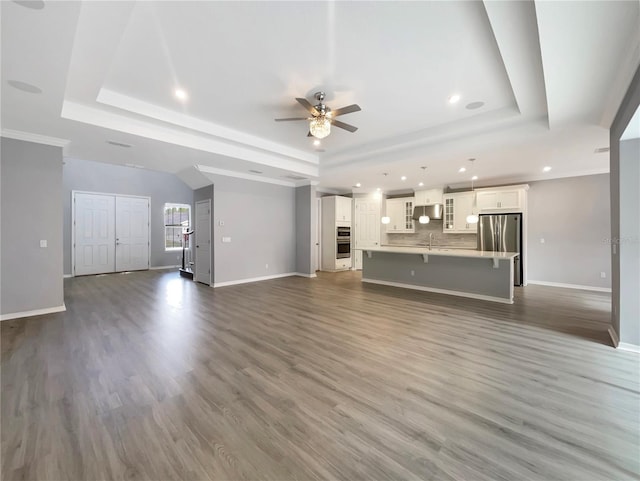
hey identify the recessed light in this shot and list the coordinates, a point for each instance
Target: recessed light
(462, 169)
(24, 86)
(34, 4)
(474, 105)
(316, 142)
(358, 184)
(475, 177)
(180, 94)
(546, 169)
(403, 178)
(454, 98)
(421, 184)
(378, 189)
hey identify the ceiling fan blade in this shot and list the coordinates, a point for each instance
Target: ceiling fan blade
(307, 105)
(291, 118)
(344, 126)
(346, 110)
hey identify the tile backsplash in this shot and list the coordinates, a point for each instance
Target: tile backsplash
(421, 236)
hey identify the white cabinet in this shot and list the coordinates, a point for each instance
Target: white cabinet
(428, 197)
(500, 199)
(400, 211)
(343, 209)
(336, 212)
(457, 207)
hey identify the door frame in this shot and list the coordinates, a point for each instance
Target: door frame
(195, 216)
(73, 223)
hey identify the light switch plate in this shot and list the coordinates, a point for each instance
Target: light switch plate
(226, 239)
(43, 243)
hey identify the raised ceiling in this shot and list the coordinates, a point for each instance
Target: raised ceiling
(549, 75)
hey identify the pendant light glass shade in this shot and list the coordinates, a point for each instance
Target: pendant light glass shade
(386, 219)
(424, 219)
(472, 219)
(320, 127)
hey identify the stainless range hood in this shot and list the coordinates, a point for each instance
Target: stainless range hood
(434, 211)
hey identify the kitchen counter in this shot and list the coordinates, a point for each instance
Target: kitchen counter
(471, 273)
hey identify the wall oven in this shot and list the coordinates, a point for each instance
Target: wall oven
(343, 242)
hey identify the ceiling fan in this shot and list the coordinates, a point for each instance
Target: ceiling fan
(322, 117)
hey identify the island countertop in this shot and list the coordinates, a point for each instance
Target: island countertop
(443, 251)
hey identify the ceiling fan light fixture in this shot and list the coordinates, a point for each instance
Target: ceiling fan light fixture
(320, 127)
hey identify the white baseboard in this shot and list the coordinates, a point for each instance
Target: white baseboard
(614, 336)
(570, 286)
(158, 268)
(310, 276)
(623, 346)
(441, 291)
(253, 279)
(35, 312)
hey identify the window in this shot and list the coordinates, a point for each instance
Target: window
(177, 220)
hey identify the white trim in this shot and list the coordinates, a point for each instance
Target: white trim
(623, 346)
(67, 276)
(310, 276)
(35, 312)
(37, 138)
(159, 268)
(570, 286)
(253, 279)
(613, 336)
(470, 295)
(241, 175)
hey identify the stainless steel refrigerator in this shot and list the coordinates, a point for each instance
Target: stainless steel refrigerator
(502, 233)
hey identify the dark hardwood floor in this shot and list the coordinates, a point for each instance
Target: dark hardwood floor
(151, 376)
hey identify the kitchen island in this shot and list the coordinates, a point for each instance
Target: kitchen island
(477, 274)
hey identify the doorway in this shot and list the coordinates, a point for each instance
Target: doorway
(110, 233)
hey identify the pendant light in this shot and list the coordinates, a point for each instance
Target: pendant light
(473, 217)
(424, 218)
(385, 219)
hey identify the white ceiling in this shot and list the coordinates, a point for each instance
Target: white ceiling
(551, 76)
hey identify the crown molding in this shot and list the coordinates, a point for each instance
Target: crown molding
(205, 169)
(36, 138)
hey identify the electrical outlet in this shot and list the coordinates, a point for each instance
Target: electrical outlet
(43, 243)
(266, 266)
(413, 273)
(542, 240)
(603, 274)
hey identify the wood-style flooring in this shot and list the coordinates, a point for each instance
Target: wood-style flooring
(151, 376)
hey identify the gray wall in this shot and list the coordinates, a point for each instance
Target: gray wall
(260, 219)
(31, 186)
(305, 229)
(572, 215)
(626, 325)
(205, 193)
(629, 242)
(114, 179)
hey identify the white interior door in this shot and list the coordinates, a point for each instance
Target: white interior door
(203, 241)
(318, 259)
(367, 224)
(94, 234)
(132, 234)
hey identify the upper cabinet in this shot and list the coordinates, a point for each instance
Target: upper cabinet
(400, 211)
(456, 209)
(339, 206)
(501, 200)
(428, 197)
